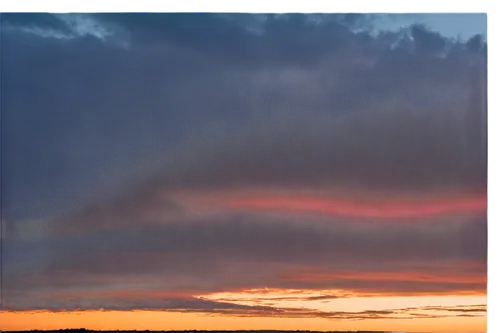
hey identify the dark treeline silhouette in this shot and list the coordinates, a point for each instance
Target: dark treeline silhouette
(77, 330)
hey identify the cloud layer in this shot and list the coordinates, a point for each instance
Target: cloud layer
(149, 159)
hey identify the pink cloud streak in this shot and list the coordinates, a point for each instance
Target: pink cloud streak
(387, 208)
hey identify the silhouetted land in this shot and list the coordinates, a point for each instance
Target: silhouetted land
(78, 330)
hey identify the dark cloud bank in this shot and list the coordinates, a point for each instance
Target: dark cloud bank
(101, 111)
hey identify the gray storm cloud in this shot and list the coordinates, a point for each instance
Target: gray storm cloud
(96, 126)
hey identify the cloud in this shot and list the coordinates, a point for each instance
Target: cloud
(219, 308)
(186, 304)
(129, 113)
(109, 151)
(234, 252)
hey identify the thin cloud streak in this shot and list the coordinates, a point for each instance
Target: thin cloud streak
(228, 309)
(380, 208)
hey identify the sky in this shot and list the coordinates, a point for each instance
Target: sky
(244, 171)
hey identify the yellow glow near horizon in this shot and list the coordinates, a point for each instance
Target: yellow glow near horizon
(162, 320)
(169, 320)
(291, 298)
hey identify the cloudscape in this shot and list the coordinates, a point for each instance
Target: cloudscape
(244, 171)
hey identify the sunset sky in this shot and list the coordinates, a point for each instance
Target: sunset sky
(244, 171)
